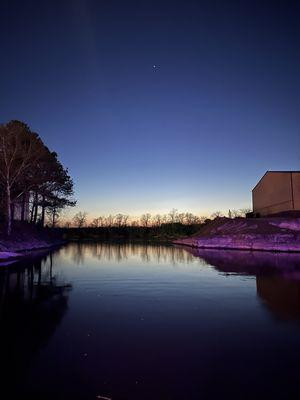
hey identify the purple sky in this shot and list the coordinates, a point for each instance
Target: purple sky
(195, 132)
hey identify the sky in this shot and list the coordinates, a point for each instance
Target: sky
(155, 105)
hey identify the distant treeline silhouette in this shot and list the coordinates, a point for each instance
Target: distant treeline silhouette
(146, 227)
(80, 219)
(34, 184)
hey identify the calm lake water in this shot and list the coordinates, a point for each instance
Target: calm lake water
(146, 322)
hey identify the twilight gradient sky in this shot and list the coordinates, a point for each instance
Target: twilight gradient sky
(194, 133)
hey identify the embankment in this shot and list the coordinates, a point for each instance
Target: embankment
(27, 238)
(265, 234)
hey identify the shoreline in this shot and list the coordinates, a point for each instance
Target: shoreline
(268, 247)
(27, 239)
(264, 234)
(25, 250)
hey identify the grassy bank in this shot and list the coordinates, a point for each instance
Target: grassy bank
(267, 234)
(26, 237)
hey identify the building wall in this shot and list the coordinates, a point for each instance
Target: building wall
(277, 192)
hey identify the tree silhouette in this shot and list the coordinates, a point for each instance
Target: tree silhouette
(28, 170)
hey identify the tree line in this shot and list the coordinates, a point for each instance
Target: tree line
(158, 227)
(80, 219)
(32, 178)
(146, 227)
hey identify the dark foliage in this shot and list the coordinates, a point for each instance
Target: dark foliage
(164, 232)
(30, 177)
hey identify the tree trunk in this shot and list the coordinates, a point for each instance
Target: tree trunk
(31, 214)
(32, 211)
(53, 218)
(8, 200)
(23, 207)
(43, 212)
(36, 207)
(12, 215)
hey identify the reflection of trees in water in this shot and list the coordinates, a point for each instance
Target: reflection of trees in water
(120, 252)
(32, 304)
(277, 276)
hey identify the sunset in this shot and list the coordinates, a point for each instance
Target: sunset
(194, 133)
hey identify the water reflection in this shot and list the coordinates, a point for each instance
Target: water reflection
(120, 252)
(277, 276)
(32, 304)
(281, 296)
(139, 328)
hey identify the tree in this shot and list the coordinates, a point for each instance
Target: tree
(240, 213)
(145, 220)
(30, 172)
(97, 222)
(216, 214)
(57, 195)
(157, 220)
(125, 220)
(173, 216)
(119, 220)
(79, 219)
(235, 213)
(244, 211)
(181, 218)
(189, 217)
(109, 221)
(20, 151)
(55, 207)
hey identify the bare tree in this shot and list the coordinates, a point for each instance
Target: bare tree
(125, 220)
(241, 213)
(244, 211)
(96, 223)
(157, 220)
(181, 218)
(173, 216)
(119, 220)
(134, 223)
(164, 219)
(109, 221)
(201, 219)
(192, 219)
(145, 220)
(79, 219)
(216, 214)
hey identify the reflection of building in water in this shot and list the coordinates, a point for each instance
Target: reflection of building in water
(32, 304)
(281, 296)
(123, 251)
(277, 275)
(250, 262)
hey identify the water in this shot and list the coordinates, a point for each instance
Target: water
(138, 321)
